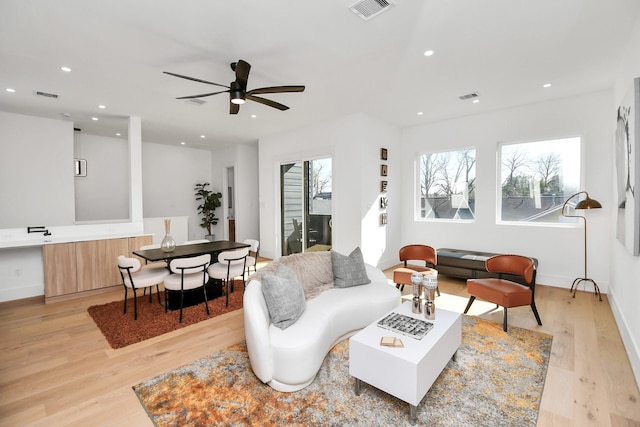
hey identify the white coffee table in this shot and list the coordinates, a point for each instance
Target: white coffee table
(408, 372)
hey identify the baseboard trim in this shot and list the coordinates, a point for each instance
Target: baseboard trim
(632, 349)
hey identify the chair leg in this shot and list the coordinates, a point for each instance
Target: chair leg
(150, 293)
(504, 322)
(125, 300)
(135, 305)
(471, 300)
(166, 300)
(535, 312)
(400, 286)
(226, 292)
(158, 293)
(206, 303)
(181, 303)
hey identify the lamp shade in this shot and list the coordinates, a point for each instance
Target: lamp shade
(588, 203)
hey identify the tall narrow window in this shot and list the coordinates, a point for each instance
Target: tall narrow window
(536, 178)
(447, 183)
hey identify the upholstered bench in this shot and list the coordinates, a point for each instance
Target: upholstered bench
(466, 264)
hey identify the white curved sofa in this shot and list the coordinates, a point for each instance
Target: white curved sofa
(289, 359)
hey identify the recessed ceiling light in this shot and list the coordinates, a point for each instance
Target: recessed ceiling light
(202, 136)
(66, 69)
(67, 115)
(95, 119)
(182, 143)
(546, 85)
(102, 107)
(475, 101)
(253, 116)
(10, 90)
(428, 52)
(420, 113)
(117, 134)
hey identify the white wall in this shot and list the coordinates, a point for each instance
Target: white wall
(559, 249)
(243, 158)
(102, 195)
(169, 175)
(624, 292)
(36, 171)
(354, 144)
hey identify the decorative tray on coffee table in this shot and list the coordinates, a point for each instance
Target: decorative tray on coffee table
(405, 325)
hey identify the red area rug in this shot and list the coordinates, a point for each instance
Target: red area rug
(121, 330)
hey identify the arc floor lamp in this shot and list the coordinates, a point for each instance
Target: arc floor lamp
(586, 203)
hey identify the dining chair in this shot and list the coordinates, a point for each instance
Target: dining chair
(187, 274)
(252, 258)
(230, 264)
(154, 264)
(503, 292)
(134, 277)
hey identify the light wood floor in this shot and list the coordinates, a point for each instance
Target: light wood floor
(56, 368)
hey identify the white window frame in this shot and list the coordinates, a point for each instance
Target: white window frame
(418, 185)
(568, 189)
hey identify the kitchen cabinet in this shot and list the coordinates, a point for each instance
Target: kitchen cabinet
(74, 268)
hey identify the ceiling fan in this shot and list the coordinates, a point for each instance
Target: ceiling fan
(237, 89)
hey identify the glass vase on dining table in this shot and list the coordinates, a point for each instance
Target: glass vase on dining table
(168, 243)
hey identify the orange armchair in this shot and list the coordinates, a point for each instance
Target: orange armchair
(402, 275)
(506, 293)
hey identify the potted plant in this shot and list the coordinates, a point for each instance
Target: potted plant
(209, 201)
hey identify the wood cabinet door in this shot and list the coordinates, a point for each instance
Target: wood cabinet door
(97, 262)
(136, 243)
(59, 269)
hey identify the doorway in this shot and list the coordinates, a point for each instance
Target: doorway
(305, 194)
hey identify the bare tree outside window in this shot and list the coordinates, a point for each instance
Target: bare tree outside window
(536, 179)
(447, 182)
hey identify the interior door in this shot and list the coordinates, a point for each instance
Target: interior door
(305, 188)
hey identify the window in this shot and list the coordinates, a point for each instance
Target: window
(536, 178)
(447, 183)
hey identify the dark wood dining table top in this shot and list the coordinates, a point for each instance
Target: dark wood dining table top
(195, 249)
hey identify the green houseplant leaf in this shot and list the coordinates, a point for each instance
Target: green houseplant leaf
(209, 201)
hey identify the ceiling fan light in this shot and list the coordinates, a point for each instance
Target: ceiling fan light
(237, 96)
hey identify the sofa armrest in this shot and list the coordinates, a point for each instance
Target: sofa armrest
(375, 274)
(256, 327)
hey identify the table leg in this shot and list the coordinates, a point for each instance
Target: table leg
(357, 387)
(413, 414)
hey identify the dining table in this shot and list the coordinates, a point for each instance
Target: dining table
(190, 250)
(191, 297)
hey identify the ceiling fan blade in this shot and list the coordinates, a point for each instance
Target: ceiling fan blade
(268, 102)
(276, 89)
(233, 108)
(194, 79)
(242, 73)
(202, 95)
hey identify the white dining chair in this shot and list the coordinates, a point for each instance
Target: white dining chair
(254, 250)
(230, 264)
(134, 277)
(186, 274)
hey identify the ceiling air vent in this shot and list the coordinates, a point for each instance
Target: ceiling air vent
(367, 9)
(470, 96)
(196, 101)
(45, 94)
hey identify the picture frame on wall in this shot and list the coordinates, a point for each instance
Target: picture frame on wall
(384, 202)
(383, 186)
(383, 154)
(627, 152)
(383, 170)
(383, 219)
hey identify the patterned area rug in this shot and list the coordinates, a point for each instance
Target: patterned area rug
(121, 330)
(496, 380)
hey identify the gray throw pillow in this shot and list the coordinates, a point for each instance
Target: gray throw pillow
(284, 296)
(349, 270)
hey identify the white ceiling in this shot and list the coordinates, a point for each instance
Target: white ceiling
(117, 49)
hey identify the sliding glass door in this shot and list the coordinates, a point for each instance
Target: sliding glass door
(305, 194)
